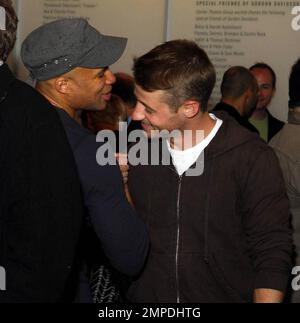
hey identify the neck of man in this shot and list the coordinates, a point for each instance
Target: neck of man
(55, 101)
(195, 131)
(296, 110)
(235, 103)
(259, 114)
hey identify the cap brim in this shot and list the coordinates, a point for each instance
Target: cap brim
(106, 53)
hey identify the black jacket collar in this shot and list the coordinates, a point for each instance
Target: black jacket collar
(6, 80)
(274, 125)
(243, 121)
(221, 106)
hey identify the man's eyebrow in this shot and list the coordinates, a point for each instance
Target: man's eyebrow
(265, 84)
(102, 70)
(145, 105)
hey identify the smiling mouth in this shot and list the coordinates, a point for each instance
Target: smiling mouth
(107, 96)
(146, 125)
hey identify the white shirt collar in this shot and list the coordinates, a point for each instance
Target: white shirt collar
(184, 159)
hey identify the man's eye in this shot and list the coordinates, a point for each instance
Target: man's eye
(148, 111)
(266, 87)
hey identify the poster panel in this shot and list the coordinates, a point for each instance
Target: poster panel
(242, 33)
(139, 20)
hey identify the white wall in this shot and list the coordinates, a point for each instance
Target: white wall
(263, 34)
(144, 23)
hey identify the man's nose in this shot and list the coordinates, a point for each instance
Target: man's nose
(138, 112)
(259, 92)
(110, 77)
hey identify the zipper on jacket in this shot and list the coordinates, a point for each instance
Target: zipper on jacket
(177, 239)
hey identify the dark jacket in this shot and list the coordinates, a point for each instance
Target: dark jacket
(40, 199)
(221, 106)
(274, 125)
(134, 125)
(218, 236)
(286, 145)
(122, 235)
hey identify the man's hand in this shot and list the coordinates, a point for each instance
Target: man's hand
(262, 295)
(123, 163)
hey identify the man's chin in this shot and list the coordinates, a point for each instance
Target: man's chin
(260, 108)
(151, 133)
(97, 108)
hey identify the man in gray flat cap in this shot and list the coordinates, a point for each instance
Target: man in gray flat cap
(70, 61)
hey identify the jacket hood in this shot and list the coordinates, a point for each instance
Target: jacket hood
(6, 79)
(230, 128)
(294, 117)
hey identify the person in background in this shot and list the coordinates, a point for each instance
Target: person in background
(124, 88)
(239, 95)
(41, 209)
(261, 118)
(70, 61)
(287, 147)
(119, 109)
(107, 119)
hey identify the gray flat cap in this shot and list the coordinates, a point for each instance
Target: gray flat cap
(62, 45)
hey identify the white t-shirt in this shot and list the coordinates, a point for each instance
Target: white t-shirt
(184, 159)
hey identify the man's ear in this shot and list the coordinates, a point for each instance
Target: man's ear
(191, 108)
(62, 85)
(274, 91)
(247, 94)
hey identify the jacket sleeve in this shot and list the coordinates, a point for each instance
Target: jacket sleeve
(291, 173)
(267, 221)
(122, 233)
(44, 214)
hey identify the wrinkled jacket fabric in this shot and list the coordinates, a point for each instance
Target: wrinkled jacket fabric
(114, 234)
(287, 147)
(218, 236)
(40, 198)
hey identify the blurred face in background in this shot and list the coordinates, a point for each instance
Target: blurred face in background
(266, 90)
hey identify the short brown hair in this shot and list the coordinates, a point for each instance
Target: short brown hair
(179, 67)
(236, 81)
(8, 36)
(267, 67)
